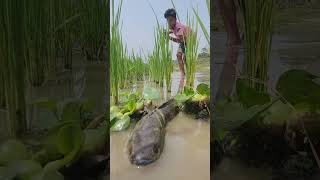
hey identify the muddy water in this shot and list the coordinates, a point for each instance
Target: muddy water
(185, 156)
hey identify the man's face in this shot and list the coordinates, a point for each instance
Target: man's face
(171, 22)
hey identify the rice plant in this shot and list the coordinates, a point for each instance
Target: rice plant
(117, 53)
(203, 27)
(12, 64)
(258, 24)
(161, 66)
(93, 27)
(191, 56)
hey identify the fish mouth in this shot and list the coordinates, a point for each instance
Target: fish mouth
(137, 160)
(145, 156)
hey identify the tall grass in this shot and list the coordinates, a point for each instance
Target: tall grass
(258, 24)
(117, 53)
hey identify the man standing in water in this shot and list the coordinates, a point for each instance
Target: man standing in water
(180, 31)
(229, 15)
(228, 75)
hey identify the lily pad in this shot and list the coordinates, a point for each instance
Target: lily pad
(182, 98)
(188, 91)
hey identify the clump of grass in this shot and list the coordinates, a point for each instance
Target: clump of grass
(258, 25)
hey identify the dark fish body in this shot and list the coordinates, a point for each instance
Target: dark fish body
(147, 139)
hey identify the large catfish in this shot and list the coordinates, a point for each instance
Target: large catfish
(147, 139)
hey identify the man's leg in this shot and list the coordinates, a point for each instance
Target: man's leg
(181, 63)
(228, 13)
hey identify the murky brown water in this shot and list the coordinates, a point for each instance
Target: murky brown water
(186, 154)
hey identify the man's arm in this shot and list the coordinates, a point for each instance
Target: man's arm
(177, 40)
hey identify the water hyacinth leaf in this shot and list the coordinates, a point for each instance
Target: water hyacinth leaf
(68, 137)
(131, 105)
(95, 139)
(279, 113)
(231, 115)
(297, 86)
(71, 111)
(188, 90)
(199, 98)
(12, 150)
(121, 124)
(182, 98)
(140, 105)
(88, 105)
(114, 109)
(203, 89)
(150, 93)
(249, 96)
(24, 169)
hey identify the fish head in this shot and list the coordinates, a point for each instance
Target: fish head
(145, 155)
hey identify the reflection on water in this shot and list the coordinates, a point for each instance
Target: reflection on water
(185, 155)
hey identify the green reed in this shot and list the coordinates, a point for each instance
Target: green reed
(258, 25)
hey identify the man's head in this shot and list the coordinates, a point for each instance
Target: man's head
(171, 17)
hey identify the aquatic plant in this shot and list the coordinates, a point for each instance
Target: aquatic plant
(258, 26)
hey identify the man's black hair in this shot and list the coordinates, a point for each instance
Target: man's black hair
(170, 12)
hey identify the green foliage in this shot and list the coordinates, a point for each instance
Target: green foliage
(12, 150)
(150, 93)
(299, 87)
(249, 96)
